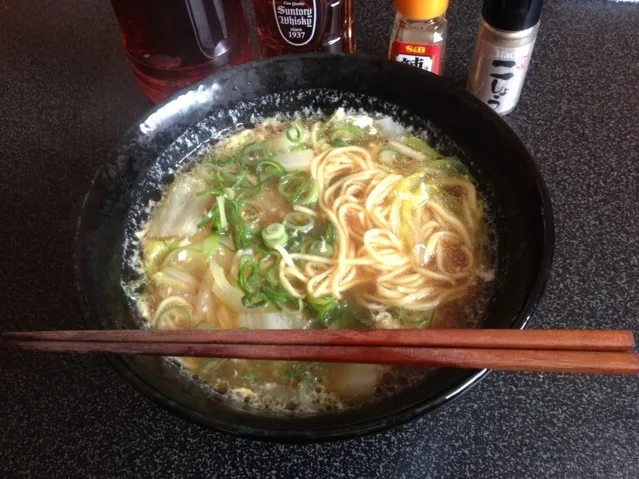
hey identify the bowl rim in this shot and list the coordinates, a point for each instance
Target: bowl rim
(361, 428)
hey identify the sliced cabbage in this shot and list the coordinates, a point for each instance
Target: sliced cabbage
(204, 305)
(225, 292)
(339, 114)
(390, 129)
(225, 316)
(154, 253)
(225, 253)
(354, 380)
(272, 320)
(361, 121)
(190, 259)
(295, 160)
(182, 209)
(176, 280)
(407, 150)
(280, 143)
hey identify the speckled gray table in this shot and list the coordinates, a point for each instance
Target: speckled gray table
(66, 95)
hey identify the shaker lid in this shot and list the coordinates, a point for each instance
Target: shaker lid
(512, 15)
(421, 9)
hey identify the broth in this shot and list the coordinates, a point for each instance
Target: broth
(343, 222)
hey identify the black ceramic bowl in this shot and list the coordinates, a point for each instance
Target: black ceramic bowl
(460, 124)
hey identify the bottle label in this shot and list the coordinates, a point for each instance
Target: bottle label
(418, 55)
(499, 74)
(296, 20)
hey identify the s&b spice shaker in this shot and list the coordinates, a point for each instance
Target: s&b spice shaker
(419, 33)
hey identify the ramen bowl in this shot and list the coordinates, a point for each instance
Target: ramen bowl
(164, 139)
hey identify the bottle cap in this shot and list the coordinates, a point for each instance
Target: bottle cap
(512, 15)
(421, 9)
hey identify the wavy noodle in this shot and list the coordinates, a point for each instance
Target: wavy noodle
(414, 248)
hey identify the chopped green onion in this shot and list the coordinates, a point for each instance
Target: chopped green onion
(417, 318)
(227, 160)
(228, 247)
(312, 194)
(207, 171)
(269, 169)
(205, 325)
(271, 276)
(248, 276)
(274, 235)
(276, 294)
(228, 173)
(242, 218)
(299, 371)
(295, 133)
(241, 237)
(451, 165)
(346, 133)
(239, 180)
(228, 193)
(299, 222)
(233, 209)
(244, 237)
(222, 172)
(327, 309)
(223, 223)
(421, 146)
(210, 245)
(321, 248)
(173, 317)
(330, 235)
(255, 152)
(338, 143)
(299, 188)
(209, 192)
(293, 185)
(254, 300)
(387, 155)
(295, 244)
(266, 262)
(207, 217)
(250, 215)
(223, 213)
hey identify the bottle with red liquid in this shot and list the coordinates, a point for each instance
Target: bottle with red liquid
(173, 43)
(302, 26)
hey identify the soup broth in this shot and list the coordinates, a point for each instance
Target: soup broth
(348, 221)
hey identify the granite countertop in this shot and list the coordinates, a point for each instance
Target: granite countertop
(67, 95)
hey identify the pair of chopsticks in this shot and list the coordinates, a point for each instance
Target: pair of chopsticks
(564, 351)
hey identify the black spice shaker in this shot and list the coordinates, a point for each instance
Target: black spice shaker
(505, 43)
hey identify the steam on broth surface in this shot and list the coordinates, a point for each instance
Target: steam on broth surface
(348, 222)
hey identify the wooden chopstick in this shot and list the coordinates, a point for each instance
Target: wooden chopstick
(504, 359)
(530, 339)
(574, 351)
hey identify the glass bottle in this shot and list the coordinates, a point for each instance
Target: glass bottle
(173, 43)
(302, 26)
(419, 34)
